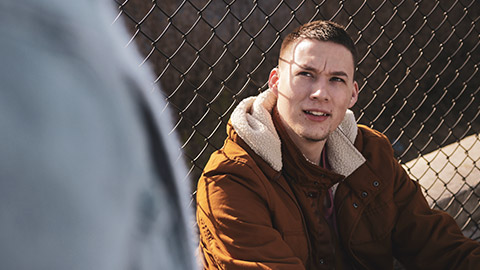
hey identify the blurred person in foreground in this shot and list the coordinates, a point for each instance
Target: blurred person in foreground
(299, 185)
(88, 177)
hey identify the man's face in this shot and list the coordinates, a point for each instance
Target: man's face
(315, 86)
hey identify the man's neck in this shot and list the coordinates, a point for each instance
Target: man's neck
(311, 150)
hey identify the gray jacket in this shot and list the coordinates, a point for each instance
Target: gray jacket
(88, 177)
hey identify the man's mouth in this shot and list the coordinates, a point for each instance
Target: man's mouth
(317, 113)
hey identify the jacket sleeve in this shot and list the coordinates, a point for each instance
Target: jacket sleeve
(424, 238)
(235, 225)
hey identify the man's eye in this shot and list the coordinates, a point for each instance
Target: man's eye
(304, 73)
(337, 79)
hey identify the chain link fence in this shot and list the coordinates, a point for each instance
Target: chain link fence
(418, 74)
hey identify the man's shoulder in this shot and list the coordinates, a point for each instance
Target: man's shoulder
(236, 159)
(373, 144)
(370, 133)
(379, 155)
(371, 136)
(231, 155)
(232, 172)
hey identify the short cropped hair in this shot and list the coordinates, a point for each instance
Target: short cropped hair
(322, 31)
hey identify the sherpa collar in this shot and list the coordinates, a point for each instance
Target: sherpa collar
(252, 121)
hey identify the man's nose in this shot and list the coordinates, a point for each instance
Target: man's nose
(320, 91)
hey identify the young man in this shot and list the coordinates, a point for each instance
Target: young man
(298, 185)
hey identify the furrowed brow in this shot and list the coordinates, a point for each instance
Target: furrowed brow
(308, 68)
(313, 69)
(339, 73)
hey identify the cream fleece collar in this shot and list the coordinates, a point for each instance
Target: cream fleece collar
(253, 122)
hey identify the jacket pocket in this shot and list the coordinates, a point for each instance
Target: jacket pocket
(376, 222)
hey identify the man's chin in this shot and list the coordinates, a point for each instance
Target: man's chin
(314, 139)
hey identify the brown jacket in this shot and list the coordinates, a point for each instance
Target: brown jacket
(255, 212)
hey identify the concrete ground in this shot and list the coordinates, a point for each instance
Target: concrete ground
(450, 177)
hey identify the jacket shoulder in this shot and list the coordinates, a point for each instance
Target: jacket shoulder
(372, 142)
(231, 159)
(378, 152)
(237, 158)
(368, 133)
(235, 167)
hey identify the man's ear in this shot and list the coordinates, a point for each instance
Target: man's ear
(273, 80)
(354, 98)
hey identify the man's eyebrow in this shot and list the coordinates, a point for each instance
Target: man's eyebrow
(333, 73)
(339, 73)
(307, 67)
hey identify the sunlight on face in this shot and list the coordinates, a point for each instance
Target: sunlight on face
(315, 86)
